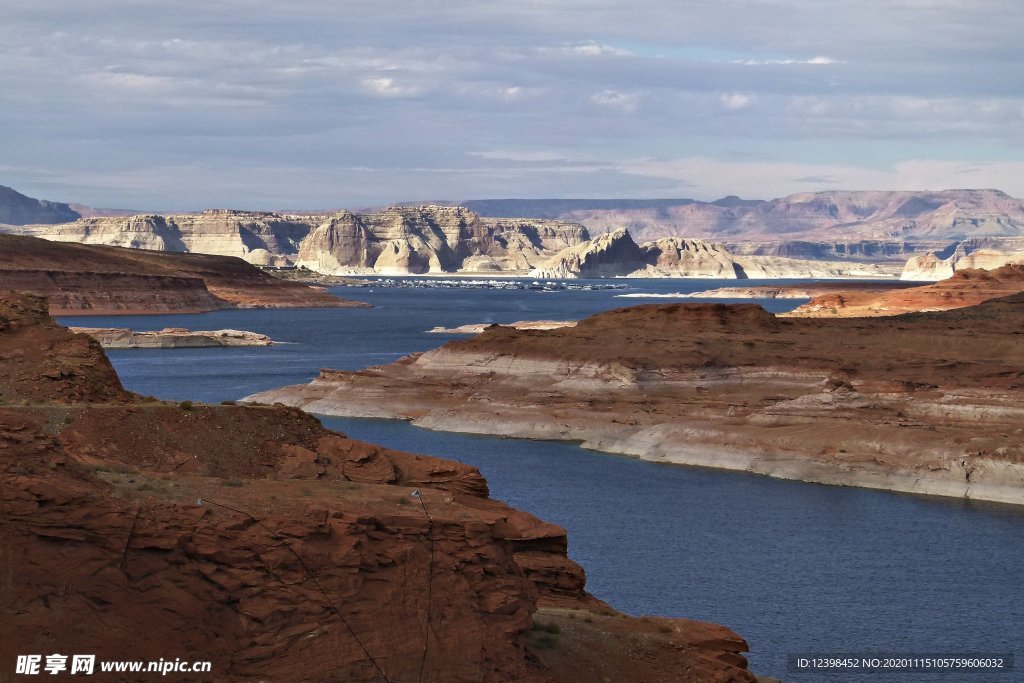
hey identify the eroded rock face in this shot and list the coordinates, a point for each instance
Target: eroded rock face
(171, 338)
(256, 539)
(396, 241)
(924, 402)
(92, 279)
(431, 239)
(610, 255)
(616, 254)
(987, 254)
(261, 237)
(963, 289)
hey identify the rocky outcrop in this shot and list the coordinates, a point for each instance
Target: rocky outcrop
(963, 289)
(17, 209)
(431, 239)
(794, 291)
(926, 402)
(396, 241)
(91, 279)
(261, 238)
(477, 328)
(615, 254)
(611, 255)
(824, 234)
(985, 253)
(678, 257)
(866, 251)
(171, 338)
(257, 540)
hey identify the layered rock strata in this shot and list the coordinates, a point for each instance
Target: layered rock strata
(90, 279)
(983, 253)
(253, 538)
(396, 241)
(477, 328)
(431, 239)
(616, 254)
(171, 338)
(926, 403)
(793, 291)
(965, 288)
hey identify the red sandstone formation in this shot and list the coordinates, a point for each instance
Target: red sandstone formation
(254, 538)
(92, 279)
(965, 288)
(924, 402)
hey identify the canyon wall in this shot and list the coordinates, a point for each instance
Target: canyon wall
(817, 235)
(925, 402)
(987, 253)
(397, 240)
(92, 279)
(431, 239)
(257, 540)
(616, 254)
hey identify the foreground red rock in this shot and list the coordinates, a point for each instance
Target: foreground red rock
(965, 288)
(91, 279)
(928, 403)
(280, 551)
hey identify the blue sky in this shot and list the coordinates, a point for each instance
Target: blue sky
(181, 105)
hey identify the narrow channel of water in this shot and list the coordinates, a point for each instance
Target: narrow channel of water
(794, 568)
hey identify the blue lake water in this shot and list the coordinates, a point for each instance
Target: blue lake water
(794, 568)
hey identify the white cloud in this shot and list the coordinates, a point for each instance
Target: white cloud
(93, 90)
(735, 101)
(389, 87)
(614, 99)
(820, 60)
(592, 49)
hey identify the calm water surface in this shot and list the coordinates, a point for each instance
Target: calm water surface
(794, 568)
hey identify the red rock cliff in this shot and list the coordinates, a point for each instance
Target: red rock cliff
(254, 538)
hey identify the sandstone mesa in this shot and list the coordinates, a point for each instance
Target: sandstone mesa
(172, 338)
(921, 402)
(92, 279)
(917, 235)
(256, 539)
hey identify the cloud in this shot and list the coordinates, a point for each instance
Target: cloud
(389, 87)
(820, 60)
(418, 94)
(735, 101)
(593, 49)
(614, 99)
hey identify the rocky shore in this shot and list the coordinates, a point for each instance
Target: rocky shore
(964, 288)
(925, 403)
(85, 279)
(477, 328)
(794, 291)
(171, 338)
(255, 539)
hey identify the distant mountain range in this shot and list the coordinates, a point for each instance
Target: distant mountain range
(17, 209)
(889, 216)
(819, 234)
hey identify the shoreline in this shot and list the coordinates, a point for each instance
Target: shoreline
(741, 389)
(711, 457)
(675, 443)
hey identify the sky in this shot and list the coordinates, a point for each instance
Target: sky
(304, 104)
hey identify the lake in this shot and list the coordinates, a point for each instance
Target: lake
(792, 567)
